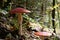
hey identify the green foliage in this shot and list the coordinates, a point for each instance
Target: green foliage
(28, 18)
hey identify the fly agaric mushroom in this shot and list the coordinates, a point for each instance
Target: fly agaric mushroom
(43, 35)
(19, 12)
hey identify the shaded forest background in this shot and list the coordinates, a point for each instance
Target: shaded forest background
(45, 12)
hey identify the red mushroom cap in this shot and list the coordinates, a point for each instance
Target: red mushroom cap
(43, 34)
(19, 10)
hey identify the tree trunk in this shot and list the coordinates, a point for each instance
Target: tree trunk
(53, 16)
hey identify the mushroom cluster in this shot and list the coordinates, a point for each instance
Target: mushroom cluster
(19, 12)
(43, 35)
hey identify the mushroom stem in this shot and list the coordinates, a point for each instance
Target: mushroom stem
(42, 38)
(20, 19)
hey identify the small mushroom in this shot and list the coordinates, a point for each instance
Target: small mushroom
(43, 35)
(19, 12)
